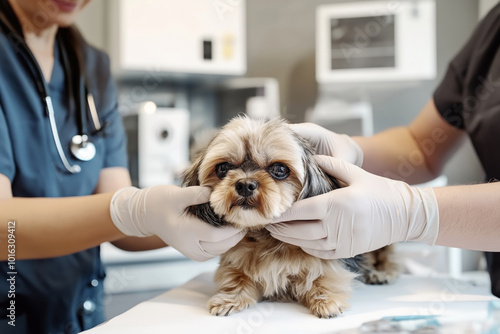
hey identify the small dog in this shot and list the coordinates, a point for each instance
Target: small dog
(257, 170)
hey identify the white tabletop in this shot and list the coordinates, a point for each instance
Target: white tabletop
(183, 309)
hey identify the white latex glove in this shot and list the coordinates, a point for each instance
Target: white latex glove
(371, 212)
(330, 143)
(160, 210)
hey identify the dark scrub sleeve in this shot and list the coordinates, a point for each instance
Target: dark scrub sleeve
(448, 97)
(469, 82)
(468, 99)
(6, 156)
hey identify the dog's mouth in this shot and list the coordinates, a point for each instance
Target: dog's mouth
(244, 203)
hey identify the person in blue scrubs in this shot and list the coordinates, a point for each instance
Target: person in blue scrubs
(53, 218)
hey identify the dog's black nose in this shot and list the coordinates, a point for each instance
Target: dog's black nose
(246, 187)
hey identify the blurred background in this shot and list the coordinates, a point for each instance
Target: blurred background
(183, 68)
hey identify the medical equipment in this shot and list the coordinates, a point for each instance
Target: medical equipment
(431, 324)
(256, 97)
(80, 146)
(343, 110)
(360, 45)
(183, 38)
(373, 41)
(158, 144)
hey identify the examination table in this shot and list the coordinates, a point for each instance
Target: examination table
(183, 309)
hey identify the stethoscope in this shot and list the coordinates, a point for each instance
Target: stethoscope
(80, 146)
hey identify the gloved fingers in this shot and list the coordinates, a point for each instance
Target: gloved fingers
(308, 131)
(217, 248)
(211, 234)
(195, 238)
(338, 168)
(192, 196)
(197, 254)
(318, 244)
(322, 254)
(312, 208)
(300, 230)
(356, 154)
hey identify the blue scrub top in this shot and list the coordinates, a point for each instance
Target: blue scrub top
(63, 294)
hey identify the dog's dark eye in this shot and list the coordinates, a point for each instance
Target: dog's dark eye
(222, 169)
(279, 171)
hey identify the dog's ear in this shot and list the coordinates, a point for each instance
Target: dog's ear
(202, 211)
(190, 177)
(316, 181)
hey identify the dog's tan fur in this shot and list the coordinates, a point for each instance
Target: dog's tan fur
(261, 267)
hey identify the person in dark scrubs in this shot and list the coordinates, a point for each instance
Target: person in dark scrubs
(57, 203)
(377, 208)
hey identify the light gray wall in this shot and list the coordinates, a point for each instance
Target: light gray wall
(485, 6)
(281, 44)
(92, 22)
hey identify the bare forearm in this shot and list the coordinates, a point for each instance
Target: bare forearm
(112, 179)
(395, 154)
(415, 153)
(48, 227)
(469, 216)
(135, 244)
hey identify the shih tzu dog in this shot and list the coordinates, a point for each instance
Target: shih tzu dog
(257, 170)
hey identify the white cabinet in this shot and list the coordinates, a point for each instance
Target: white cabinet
(177, 36)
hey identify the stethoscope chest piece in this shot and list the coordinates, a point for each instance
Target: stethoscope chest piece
(82, 148)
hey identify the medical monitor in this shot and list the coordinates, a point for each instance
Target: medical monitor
(376, 41)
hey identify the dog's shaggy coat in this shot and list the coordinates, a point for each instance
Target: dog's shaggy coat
(257, 169)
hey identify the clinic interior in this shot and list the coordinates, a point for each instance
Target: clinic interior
(272, 48)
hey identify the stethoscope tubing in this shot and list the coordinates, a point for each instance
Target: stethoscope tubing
(80, 146)
(55, 135)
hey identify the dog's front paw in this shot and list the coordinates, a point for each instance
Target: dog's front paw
(375, 277)
(223, 304)
(381, 266)
(327, 307)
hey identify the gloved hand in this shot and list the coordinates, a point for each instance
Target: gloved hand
(371, 212)
(160, 210)
(330, 143)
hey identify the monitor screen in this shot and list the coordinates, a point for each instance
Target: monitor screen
(357, 42)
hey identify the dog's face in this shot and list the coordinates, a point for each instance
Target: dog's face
(257, 169)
